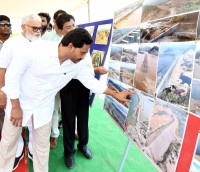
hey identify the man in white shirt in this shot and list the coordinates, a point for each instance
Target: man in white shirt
(63, 23)
(31, 30)
(31, 85)
(57, 33)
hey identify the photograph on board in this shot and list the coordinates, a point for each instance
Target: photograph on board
(175, 70)
(128, 15)
(102, 34)
(156, 9)
(164, 136)
(137, 121)
(173, 29)
(126, 35)
(97, 58)
(146, 68)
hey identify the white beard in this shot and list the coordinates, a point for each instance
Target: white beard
(34, 37)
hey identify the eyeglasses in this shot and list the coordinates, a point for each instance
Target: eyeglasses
(5, 24)
(35, 29)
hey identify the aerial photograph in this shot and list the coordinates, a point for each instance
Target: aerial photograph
(126, 35)
(114, 69)
(128, 63)
(156, 9)
(116, 52)
(146, 68)
(195, 97)
(129, 53)
(173, 29)
(175, 70)
(127, 71)
(118, 110)
(129, 15)
(165, 134)
(103, 32)
(137, 121)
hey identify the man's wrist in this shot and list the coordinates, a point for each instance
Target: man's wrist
(113, 93)
(1, 92)
(15, 103)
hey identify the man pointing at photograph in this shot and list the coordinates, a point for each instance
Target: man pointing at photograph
(31, 84)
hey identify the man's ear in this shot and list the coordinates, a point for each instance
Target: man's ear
(70, 45)
(23, 27)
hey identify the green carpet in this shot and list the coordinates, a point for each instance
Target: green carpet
(107, 143)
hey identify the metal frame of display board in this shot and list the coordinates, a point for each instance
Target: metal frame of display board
(127, 144)
(124, 155)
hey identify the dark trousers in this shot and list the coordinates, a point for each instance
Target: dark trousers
(74, 103)
(2, 114)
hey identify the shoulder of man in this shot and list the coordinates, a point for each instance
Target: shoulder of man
(43, 46)
(51, 36)
(48, 35)
(16, 39)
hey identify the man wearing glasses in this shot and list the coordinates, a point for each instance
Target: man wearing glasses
(5, 29)
(31, 30)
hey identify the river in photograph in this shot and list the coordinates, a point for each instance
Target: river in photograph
(164, 63)
(185, 79)
(196, 92)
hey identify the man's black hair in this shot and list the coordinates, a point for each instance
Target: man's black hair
(50, 26)
(3, 17)
(57, 13)
(62, 19)
(45, 15)
(78, 37)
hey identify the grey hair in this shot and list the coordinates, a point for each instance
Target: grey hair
(25, 19)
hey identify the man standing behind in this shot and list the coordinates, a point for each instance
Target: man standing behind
(5, 31)
(31, 30)
(49, 66)
(56, 34)
(64, 23)
(45, 21)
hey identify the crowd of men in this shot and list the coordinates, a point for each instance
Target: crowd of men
(45, 72)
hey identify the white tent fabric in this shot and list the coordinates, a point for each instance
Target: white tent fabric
(17, 9)
(83, 10)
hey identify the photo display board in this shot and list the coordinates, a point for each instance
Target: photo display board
(101, 32)
(156, 51)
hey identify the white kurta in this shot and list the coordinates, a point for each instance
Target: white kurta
(12, 45)
(36, 76)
